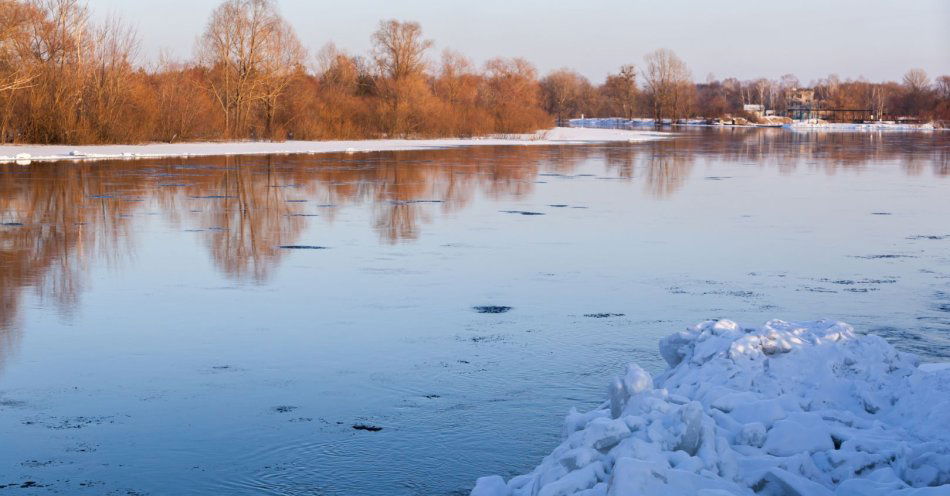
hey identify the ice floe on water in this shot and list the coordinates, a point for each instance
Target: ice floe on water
(790, 408)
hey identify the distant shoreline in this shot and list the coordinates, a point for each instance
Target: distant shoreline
(26, 154)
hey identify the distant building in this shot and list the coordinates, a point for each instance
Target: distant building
(801, 104)
(801, 97)
(753, 108)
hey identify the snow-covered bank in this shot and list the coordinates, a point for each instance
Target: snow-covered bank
(556, 136)
(771, 121)
(808, 408)
(820, 125)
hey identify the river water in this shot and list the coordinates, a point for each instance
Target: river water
(220, 325)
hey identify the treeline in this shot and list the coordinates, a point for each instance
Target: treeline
(668, 92)
(67, 79)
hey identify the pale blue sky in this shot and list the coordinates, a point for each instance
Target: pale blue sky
(879, 39)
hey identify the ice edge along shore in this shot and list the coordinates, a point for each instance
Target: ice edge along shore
(790, 409)
(558, 136)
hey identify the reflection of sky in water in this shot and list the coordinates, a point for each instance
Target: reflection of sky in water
(150, 336)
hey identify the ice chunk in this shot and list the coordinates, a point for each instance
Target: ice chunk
(752, 434)
(634, 381)
(490, 486)
(603, 434)
(788, 437)
(779, 482)
(790, 408)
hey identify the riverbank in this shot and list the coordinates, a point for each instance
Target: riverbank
(26, 154)
(811, 125)
(797, 409)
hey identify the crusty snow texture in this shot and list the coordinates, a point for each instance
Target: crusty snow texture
(804, 408)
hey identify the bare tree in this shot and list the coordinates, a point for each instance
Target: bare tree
(513, 95)
(61, 41)
(283, 59)
(916, 80)
(943, 87)
(563, 90)
(247, 46)
(621, 91)
(399, 52)
(114, 50)
(16, 68)
(879, 97)
(917, 85)
(666, 77)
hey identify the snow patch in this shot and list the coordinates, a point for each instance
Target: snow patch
(789, 408)
(556, 136)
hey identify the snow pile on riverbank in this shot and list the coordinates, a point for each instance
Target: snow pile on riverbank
(795, 409)
(557, 136)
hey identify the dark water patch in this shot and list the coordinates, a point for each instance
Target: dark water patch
(717, 178)
(551, 174)
(491, 309)
(22, 485)
(302, 247)
(860, 290)
(301, 419)
(38, 463)
(101, 197)
(881, 213)
(490, 338)
(12, 224)
(283, 408)
(71, 423)
(173, 185)
(521, 212)
(580, 207)
(813, 289)
(604, 315)
(213, 197)
(558, 205)
(932, 237)
(942, 307)
(303, 215)
(432, 396)
(367, 427)
(736, 293)
(426, 201)
(327, 205)
(11, 403)
(82, 448)
(297, 201)
(850, 282)
(882, 257)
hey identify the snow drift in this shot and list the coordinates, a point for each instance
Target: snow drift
(806, 408)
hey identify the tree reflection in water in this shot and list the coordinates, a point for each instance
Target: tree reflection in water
(58, 218)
